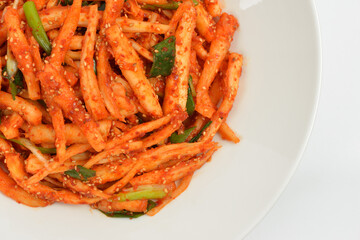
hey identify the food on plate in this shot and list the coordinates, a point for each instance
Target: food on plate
(112, 103)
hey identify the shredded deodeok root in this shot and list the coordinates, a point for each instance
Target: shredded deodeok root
(112, 103)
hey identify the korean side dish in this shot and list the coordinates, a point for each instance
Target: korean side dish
(112, 103)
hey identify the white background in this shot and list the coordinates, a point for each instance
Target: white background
(322, 200)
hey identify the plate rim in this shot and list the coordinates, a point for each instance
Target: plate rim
(318, 85)
(310, 126)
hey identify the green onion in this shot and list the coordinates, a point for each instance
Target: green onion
(192, 87)
(38, 31)
(11, 64)
(73, 173)
(47, 150)
(164, 58)
(95, 67)
(142, 192)
(11, 140)
(128, 214)
(165, 6)
(123, 214)
(190, 103)
(12, 73)
(16, 82)
(41, 149)
(86, 173)
(13, 89)
(81, 173)
(196, 138)
(180, 138)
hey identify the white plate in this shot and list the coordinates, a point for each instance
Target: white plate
(273, 113)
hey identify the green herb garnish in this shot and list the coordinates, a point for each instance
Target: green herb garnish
(41, 149)
(165, 6)
(11, 140)
(81, 173)
(180, 138)
(95, 67)
(128, 214)
(16, 83)
(141, 192)
(196, 138)
(47, 150)
(190, 103)
(164, 58)
(38, 31)
(192, 87)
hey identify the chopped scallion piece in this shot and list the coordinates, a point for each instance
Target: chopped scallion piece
(190, 103)
(164, 58)
(142, 192)
(196, 138)
(80, 173)
(165, 6)
(128, 214)
(11, 64)
(192, 87)
(38, 31)
(16, 82)
(11, 140)
(95, 67)
(180, 138)
(47, 150)
(41, 149)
